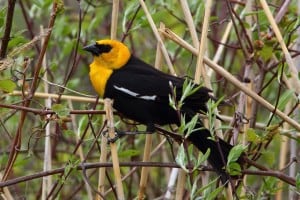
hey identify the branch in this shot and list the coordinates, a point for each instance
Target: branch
(85, 166)
(9, 20)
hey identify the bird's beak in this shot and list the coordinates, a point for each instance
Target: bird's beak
(92, 48)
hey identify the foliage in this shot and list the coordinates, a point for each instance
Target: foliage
(71, 127)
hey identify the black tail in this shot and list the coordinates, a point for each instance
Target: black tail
(218, 150)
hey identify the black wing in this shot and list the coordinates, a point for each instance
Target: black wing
(139, 86)
(145, 80)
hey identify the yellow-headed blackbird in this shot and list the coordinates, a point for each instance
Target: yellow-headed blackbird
(141, 93)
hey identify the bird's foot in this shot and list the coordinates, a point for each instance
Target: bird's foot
(119, 134)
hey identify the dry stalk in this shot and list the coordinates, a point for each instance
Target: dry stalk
(145, 170)
(158, 38)
(114, 151)
(114, 19)
(232, 79)
(103, 158)
(190, 23)
(47, 181)
(200, 67)
(56, 96)
(181, 183)
(103, 155)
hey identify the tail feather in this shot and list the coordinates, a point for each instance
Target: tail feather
(219, 150)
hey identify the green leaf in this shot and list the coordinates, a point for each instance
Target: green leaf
(284, 98)
(202, 158)
(188, 89)
(16, 43)
(61, 110)
(190, 126)
(206, 187)
(252, 136)
(215, 193)
(181, 158)
(7, 85)
(270, 185)
(172, 102)
(82, 124)
(73, 162)
(266, 52)
(235, 153)
(234, 169)
(209, 192)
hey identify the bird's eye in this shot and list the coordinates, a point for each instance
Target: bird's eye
(103, 48)
(97, 49)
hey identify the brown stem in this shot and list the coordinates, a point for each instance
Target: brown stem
(272, 173)
(8, 24)
(28, 24)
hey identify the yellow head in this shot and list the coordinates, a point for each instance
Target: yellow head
(110, 54)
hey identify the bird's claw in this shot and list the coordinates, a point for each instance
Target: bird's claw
(118, 134)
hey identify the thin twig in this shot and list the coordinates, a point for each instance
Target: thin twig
(29, 24)
(7, 30)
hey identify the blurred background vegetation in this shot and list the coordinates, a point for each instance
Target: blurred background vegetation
(46, 122)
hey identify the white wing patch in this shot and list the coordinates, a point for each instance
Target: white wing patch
(134, 94)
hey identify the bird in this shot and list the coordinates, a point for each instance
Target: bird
(142, 93)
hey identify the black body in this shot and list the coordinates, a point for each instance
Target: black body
(146, 82)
